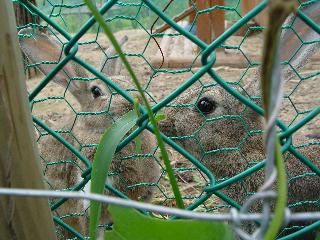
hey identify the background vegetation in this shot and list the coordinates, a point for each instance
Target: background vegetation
(128, 14)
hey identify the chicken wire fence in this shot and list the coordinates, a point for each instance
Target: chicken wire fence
(69, 47)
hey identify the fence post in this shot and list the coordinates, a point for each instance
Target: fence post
(217, 19)
(20, 217)
(262, 18)
(203, 22)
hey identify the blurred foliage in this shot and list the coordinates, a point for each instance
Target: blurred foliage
(57, 9)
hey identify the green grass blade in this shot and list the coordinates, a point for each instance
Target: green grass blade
(137, 140)
(102, 161)
(164, 154)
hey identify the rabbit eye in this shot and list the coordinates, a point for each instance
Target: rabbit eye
(206, 105)
(96, 91)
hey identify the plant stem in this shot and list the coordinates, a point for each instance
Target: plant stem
(153, 122)
(282, 195)
(279, 11)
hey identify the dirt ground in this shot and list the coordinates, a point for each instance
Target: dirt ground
(305, 97)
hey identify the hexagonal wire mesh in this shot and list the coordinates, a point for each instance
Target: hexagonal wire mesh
(219, 156)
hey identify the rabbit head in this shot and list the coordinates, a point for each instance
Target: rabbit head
(93, 96)
(213, 125)
(100, 103)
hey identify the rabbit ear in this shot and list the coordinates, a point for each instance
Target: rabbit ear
(290, 42)
(112, 67)
(40, 48)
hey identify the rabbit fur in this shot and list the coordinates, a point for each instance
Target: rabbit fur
(214, 131)
(93, 96)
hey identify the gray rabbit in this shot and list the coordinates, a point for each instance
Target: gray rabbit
(224, 134)
(62, 169)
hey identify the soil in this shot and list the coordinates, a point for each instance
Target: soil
(301, 95)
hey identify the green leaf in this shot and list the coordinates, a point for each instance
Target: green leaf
(160, 117)
(129, 224)
(102, 161)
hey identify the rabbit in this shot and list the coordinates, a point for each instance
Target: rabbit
(225, 133)
(93, 96)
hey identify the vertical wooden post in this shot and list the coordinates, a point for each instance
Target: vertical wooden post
(193, 14)
(262, 18)
(203, 22)
(20, 217)
(209, 23)
(217, 18)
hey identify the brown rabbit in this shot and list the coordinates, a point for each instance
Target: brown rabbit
(224, 134)
(62, 168)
